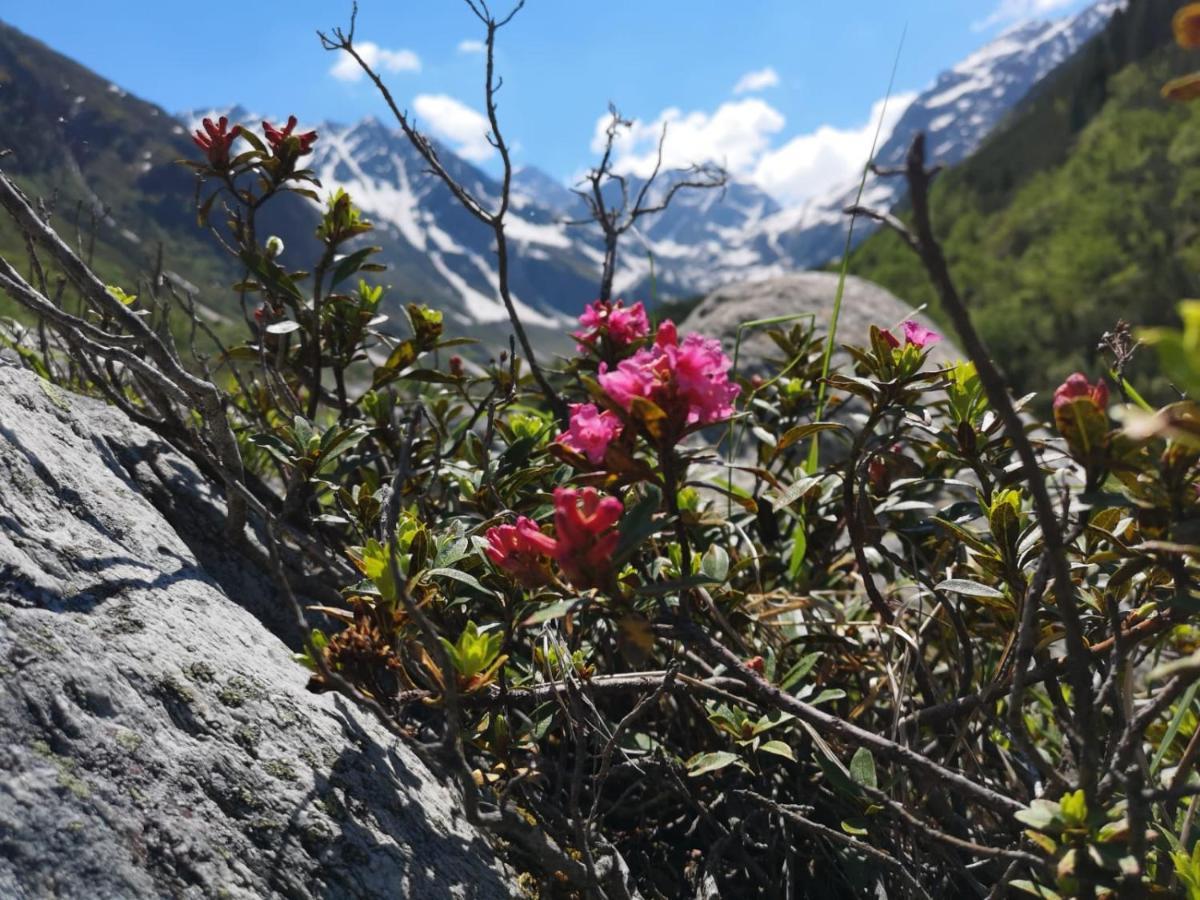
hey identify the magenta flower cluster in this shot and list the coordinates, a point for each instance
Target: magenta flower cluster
(688, 379)
(622, 326)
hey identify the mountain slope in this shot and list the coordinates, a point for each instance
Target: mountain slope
(956, 112)
(104, 163)
(1082, 210)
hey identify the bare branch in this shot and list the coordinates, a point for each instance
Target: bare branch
(494, 219)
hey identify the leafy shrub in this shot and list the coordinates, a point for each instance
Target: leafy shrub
(667, 643)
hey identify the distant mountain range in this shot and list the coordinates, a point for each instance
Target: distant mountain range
(1082, 209)
(98, 149)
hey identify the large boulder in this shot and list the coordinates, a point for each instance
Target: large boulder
(864, 304)
(156, 739)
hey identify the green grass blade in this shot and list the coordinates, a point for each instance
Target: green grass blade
(814, 451)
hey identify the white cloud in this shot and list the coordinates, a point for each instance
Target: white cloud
(471, 46)
(741, 135)
(454, 121)
(735, 135)
(758, 80)
(378, 58)
(1010, 11)
(809, 165)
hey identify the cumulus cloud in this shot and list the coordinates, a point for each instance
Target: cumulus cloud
(378, 58)
(458, 124)
(758, 80)
(809, 165)
(1011, 11)
(471, 46)
(735, 135)
(741, 135)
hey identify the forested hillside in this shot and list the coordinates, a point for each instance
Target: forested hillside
(1082, 210)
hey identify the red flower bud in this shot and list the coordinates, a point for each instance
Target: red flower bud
(756, 664)
(278, 138)
(456, 366)
(215, 141)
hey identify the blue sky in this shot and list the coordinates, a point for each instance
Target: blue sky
(821, 68)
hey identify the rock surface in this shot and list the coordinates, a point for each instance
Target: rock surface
(156, 739)
(864, 304)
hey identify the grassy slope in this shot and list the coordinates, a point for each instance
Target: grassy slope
(1082, 210)
(81, 144)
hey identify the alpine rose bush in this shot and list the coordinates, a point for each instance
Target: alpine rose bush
(688, 381)
(922, 647)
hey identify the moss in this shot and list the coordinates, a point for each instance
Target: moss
(74, 784)
(200, 672)
(333, 807)
(129, 741)
(121, 620)
(66, 769)
(281, 769)
(247, 737)
(237, 691)
(176, 690)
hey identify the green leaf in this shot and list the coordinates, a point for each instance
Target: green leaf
(550, 611)
(800, 432)
(967, 537)
(779, 748)
(119, 295)
(1173, 729)
(348, 265)
(702, 763)
(827, 695)
(862, 767)
(637, 525)
(799, 548)
(431, 376)
(1040, 815)
(800, 669)
(853, 829)
(969, 588)
(1024, 884)
(784, 498)
(715, 563)
(457, 575)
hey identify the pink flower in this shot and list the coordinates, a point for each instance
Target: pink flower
(521, 550)
(914, 333)
(591, 431)
(1077, 386)
(215, 141)
(622, 326)
(689, 381)
(918, 335)
(584, 521)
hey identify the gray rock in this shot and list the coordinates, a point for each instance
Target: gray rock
(156, 739)
(863, 304)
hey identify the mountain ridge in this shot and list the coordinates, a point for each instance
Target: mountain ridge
(115, 154)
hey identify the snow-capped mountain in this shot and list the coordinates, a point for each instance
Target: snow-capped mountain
(956, 113)
(439, 253)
